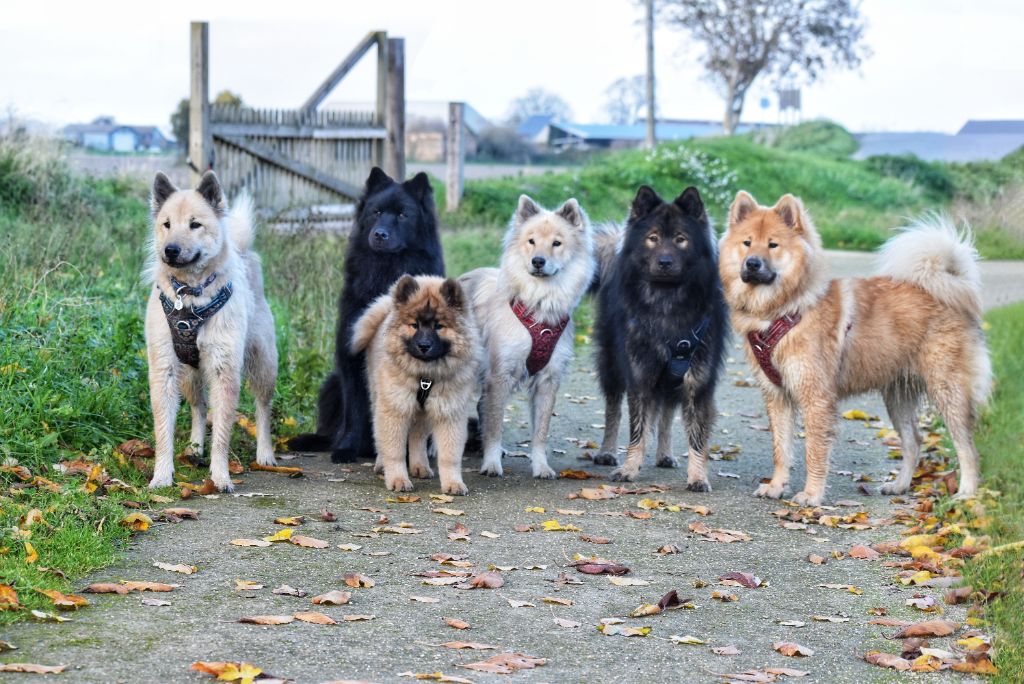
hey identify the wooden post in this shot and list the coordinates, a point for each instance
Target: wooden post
(382, 95)
(651, 109)
(455, 151)
(394, 147)
(200, 140)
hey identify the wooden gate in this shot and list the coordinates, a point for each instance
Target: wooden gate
(292, 159)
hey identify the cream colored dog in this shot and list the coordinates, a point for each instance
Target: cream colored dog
(207, 323)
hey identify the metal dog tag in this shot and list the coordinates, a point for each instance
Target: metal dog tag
(178, 304)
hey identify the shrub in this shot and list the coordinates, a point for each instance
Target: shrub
(932, 177)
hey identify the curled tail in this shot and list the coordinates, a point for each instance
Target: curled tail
(607, 242)
(365, 328)
(932, 254)
(239, 222)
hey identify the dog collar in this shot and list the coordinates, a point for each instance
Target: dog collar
(543, 337)
(764, 343)
(426, 384)
(681, 351)
(181, 289)
(185, 325)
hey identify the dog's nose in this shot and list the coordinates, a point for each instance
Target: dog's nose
(424, 346)
(753, 264)
(381, 234)
(664, 262)
(538, 262)
(172, 251)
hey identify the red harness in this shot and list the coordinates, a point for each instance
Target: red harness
(544, 336)
(764, 343)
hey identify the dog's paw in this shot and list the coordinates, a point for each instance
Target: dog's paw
(698, 486)
(543, 471)
(605, 458)
(893, 487)
(457, 487)
(421, 471)
(161, 481)
(266, 460)
(345, 455)
(398, 483)
(667, 462)
(770, 490)
(223, 483)
(806, 498)
(623, 475)
(492, 469)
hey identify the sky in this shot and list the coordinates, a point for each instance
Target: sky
(935, 63)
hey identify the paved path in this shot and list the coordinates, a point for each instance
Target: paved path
(118, 639)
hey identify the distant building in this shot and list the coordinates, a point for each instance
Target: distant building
(106, 135)
(545, 131)
(977, 140)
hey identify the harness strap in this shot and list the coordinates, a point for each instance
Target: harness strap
(185, 325)
(544, 337)
(426, 384)
(681, 351)
(763, 343)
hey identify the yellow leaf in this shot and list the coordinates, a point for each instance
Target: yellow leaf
(137, 522)
(31, 555)
(292, 521)
(448, 511)
(555, 526)
(650, 504)
(855, 414)
(8, 598)
(280, 535)
(688, 639)
(920, 540)
(534, 509)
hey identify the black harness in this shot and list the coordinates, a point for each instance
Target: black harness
(681, 351)
(184, 324)
(426, 384)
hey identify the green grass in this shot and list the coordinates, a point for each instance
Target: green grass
(1000, 439)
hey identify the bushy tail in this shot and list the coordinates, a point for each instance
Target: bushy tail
(607, 241)
(240, 222)
(933, 255)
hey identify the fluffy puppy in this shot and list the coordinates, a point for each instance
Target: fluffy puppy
(422, 360)
(207, 323)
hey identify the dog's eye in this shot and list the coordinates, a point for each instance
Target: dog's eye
(194, 225)
(652, 238)
(438, 326)
(167, 224)
(531, 241)
(414, 326)
(681, 240)
(772, 245)
(378, 212)
(556, 243)
(746, 243)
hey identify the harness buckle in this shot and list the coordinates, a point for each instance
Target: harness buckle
(426, 384)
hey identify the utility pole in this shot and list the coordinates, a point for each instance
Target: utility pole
(649, 27)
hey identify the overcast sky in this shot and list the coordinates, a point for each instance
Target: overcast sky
(936, 63)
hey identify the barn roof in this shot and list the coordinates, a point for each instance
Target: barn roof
(992, 127)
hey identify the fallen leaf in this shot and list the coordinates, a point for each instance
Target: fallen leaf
(333, 598)
(357, 580)
(136, 447)
(267, 619)
(179, 568)
(863, 553)
(555, 526)
(424, 599)
(928, 628)
(403, 499)
(244, 673)
(456, 623)
(593, 568)
(308, 542)
(459, 533)
(724, 597)
(725, 650)
(687, 639)
(181, 513)
(668, 549)
(154, 602)
(286, 470)
(357, 618)
(286, 590)
(619, 630)
(247, 585)
(471, 645)
(628, 582)
(816, 559)
(567, 624)
(31, 555)
(250, 542)
(8, 598)
(48, 617)
(32, 668)
(315, 618)
(557, 601)
(280, 536)
(829, 618)
(448, 511)
(520, 604)
(856, 414)
(137, 522)
(106, 588)
(293, 521)
(793, 649)
(534, 509)
(485, 580)
(887, 660)
(740, 579)
(327, 516)
(64, 601)
(845, 587)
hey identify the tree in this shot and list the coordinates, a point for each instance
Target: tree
(626, 99)
(744, 39)
(228, 98)
(538, 101)
(179, 124)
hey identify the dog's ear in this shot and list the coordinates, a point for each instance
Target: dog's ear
(691, 203)
(741, 207)
(571, 212)
(526, 209)
(377, 180)
(209, 188)
(162, 189)
(453, 295)
(419, 187)
(644, 203)
(791, 210)
(405, 288)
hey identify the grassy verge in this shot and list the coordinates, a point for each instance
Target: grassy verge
(1000, 440)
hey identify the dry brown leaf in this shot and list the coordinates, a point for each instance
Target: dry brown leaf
(793, 649)
(887, 660)
(249, 542)
(136, 447)
(357, 618)
(740, 579)
(64, 601)
(595, 568)
(816, 559)
(456, 623)
(567, 624)
(485, 580)
(928, 628)
(286, 470)
(267, 619)
(286, 590)
(725, 650)
(595, 540)
(669, 549)
(247, 585)
(863, 553)
(308, 542)
(32, 668)
(137, 522)
(106, 588)
(181, 513)
(556, 600)
(150, 586)
(333, 598)
(357, 580)
(315, 618)
(179, 568)
(8, 598)
(506, 663)
(471, 645)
